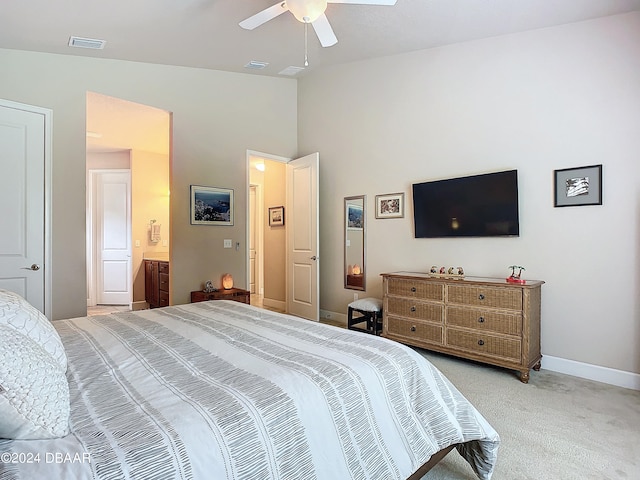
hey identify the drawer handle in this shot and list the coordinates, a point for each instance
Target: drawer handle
(480, 342)
(413, 309)
(481, 319)
(413, 328)
(481, 296)
(413, 289)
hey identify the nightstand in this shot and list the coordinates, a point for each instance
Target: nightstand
(236, 294)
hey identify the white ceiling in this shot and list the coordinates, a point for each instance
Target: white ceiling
(205, 33)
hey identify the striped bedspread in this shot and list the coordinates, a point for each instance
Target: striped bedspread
(222, 390)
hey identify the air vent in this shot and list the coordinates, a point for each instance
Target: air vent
(291, 71)
(256, 65)
(87, 43)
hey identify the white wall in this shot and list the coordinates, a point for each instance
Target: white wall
(537, 101)
(217, 116)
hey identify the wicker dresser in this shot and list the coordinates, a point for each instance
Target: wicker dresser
(483, 319)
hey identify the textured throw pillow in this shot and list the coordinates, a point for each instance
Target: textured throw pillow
(34, 393)
(367, 304)
(20, 315)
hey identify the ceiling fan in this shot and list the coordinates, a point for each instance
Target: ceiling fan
(307, 11)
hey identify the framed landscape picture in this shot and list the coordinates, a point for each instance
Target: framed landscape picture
(211, 206)
(355, 220)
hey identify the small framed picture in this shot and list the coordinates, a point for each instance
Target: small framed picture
(578, 186)
(211, 206)
(390, 205)
(276, 216)
(355, 217)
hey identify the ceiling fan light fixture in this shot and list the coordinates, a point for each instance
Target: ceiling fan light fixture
(307, 11)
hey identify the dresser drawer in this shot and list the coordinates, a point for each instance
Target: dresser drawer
(415, 288)
(485, 320)
(420, 331)
(410, 308)
(486, 344)
(163, 267)
(496, 297)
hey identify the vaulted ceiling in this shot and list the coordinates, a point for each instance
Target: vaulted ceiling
(206, 34)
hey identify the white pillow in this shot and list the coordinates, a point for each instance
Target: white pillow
(19, 314)
(34, 393)
(367, 304)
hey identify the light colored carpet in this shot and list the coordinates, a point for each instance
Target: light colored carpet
(557, 427)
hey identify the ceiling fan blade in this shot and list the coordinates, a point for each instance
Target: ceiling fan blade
(365, 2)
(264, 16)
(324, 31)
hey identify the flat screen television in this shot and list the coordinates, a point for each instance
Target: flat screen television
(475, 206)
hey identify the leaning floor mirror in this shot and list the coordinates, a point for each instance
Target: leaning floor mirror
(354, 240)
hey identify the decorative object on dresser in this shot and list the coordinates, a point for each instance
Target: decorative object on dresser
(515, 277)
(484, 319)
(156, 283)
(442, 272)
(235, 294)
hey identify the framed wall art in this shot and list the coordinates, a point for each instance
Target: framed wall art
(276, 216)
(390, 205)
(211, 206)
(578, 186)
(355, 217)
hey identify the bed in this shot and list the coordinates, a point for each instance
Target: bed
(224, 390)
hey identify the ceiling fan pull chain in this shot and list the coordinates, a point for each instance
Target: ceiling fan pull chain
(306, 59)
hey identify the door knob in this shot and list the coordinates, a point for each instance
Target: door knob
(314, 257)
(35, 267)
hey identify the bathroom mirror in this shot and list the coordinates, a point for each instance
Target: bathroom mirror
(354, 238)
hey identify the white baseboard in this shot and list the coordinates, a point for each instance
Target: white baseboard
(335, 316)
(278, 304)
(140, 305)
(611, 376)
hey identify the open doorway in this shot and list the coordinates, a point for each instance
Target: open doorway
(289, 224)
(125, 139)
(266, 261)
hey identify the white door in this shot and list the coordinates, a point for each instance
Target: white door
(303, 272)
(23, 201)
(113, 237)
